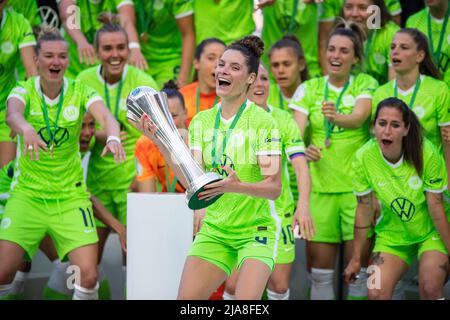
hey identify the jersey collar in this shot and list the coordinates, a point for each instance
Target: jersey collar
(336, 89)
(228, 121)
(111, 86)
(390, 164)
(410, 90)
(37, 86)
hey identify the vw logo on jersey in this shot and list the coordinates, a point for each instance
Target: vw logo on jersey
(419, 111)
(225, 161)
(7, 47)
(415, 182)
(379, 58)
(71, 113)
(404, 208)
(349, 100)
(6, 223)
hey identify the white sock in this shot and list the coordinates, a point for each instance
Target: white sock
(228, 296)
(18, 284)
(358, 289)
(81, 293)
(443, 298)
(271, 295)
(399, 292)
(58, 278)
(322, 284)
(5, 289)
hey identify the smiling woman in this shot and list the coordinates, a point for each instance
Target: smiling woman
(113, 80)
(47, 112)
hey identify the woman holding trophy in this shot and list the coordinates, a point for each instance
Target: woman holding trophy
(239, 229)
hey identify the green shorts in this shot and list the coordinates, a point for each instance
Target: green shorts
(5, 131)
(333, 215)
(116, 203)
(286, 242)
(408, 252)
(227, 253)
(69, 223)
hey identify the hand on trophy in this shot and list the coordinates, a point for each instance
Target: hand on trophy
(229, 184)
(147, 126)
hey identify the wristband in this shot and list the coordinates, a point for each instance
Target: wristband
(133, 45)
(112, 138)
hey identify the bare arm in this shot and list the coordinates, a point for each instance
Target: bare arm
(302, 214)
(28, 59)
(186, 27)
(110, 125)
(69, 13)
(302, 120)
(363, 223)
(19, 125)
(356, 119)
(128, 21)
(437, 212)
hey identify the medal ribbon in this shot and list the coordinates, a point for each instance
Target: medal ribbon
(215, 159)
(197, 100)
(413, 97)
(51, 133)
(329, 126)
(437, 53)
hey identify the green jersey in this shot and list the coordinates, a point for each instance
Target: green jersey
(104, 172)
(15, 34)
(405, 218)
(430, 105)
(57, 176)
(291, 147)
(293, 17)
(420, 21)
(87, 12)
(28, 8)
(254, 134)
(277, 99)
(6, 176)
(228, 20)
(331, 9)
(377, 52)
(331, 173)
(160, 36)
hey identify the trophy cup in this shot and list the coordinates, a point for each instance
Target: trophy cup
(147, 100)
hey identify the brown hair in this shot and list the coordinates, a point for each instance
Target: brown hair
(111, 23)
(354, 32)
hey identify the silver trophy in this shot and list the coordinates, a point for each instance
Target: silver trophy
(147, 100)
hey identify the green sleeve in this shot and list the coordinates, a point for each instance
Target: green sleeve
(293, 141)
(26, 35)
(268, 137)
(330, 10)
(434, 171)
(443, 105)
(20, 92)
(182, 8)
(300, 100)
(366, 86)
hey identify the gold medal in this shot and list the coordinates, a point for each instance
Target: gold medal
(144, 37)
(327, 142)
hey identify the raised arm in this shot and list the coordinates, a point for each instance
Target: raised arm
(356, 119)
(186, 27)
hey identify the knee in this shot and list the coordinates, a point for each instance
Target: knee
(430, 290)
(378, 294)
(6, 276)
(279, 287)
(89, 276)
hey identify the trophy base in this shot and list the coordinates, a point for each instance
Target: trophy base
(197, 187)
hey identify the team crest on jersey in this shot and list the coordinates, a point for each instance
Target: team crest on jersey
(415, 182)
(225, 161)
(419, 111)
(71, 113)
(6, 223)
(404, 208)
(349, 100)
(7, 47)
